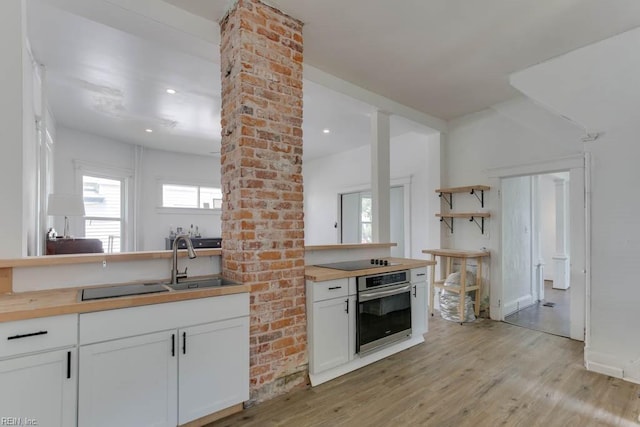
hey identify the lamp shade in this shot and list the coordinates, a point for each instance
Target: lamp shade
(65, 205)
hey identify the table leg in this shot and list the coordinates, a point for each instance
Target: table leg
(463, 288)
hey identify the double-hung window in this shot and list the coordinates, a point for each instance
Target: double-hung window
(104, 210)
(191, 196)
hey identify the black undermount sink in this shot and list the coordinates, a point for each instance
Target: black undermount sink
(106, 292)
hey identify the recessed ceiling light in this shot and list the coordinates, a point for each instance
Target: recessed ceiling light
(171, 91)
(148, 130)
(326, 130)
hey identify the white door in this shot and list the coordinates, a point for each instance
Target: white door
(418, 308)
(40, 388)
(517, 244)
(213, 369)
(330, 334)
(130, 382)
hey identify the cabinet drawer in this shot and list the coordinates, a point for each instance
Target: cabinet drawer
(418, 274)
(330, 289)
(31, 335)
(128, 322)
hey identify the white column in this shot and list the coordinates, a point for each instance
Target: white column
(380, 177)
(12, 42)
(561, 257)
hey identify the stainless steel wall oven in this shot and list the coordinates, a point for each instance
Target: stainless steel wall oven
(384, 310)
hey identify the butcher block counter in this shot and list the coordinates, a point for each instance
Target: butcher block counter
(321, 274)
(29, 305)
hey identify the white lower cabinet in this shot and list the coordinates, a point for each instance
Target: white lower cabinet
(129, 382)
(330, 334)
(197, 365)
(39, 389)
(418, 308)
(213, 372)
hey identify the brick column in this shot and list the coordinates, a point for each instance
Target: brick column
(262, 213)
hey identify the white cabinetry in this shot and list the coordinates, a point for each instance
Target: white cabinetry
(213, 372)
(330, 324)
(187, 360)
(418, 301)
(39, 383)
(130, 381)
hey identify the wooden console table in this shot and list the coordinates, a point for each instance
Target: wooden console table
(446, 257)
(62, 246)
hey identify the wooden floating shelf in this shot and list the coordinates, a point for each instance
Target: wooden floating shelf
(475, 190)
(471, 216)
(468, 215)
(468, 189)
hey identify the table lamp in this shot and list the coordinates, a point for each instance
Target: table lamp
(65, 205)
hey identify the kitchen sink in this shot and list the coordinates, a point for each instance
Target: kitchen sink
(89, 294)
(206, 283)
(105, 292)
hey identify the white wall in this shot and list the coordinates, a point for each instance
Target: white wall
(547, 211)
(12, 39)
(179, 168)
(153, 223)
(413, 156)
(517, 240)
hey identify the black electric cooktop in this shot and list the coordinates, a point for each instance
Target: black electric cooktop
(361, 264)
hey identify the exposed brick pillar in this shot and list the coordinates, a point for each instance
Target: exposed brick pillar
(262, 216)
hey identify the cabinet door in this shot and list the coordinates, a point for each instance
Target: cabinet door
(40, 388)
(418, 308)
(330, 332)
(213, 369)
(129, 382)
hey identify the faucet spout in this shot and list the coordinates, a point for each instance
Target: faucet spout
(175, 274)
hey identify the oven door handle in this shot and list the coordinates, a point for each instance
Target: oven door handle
(368, 296)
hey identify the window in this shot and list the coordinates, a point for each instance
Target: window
(191, 196)
(104, 210)
(366, 232)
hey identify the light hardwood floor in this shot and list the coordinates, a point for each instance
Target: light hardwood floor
(482, 374)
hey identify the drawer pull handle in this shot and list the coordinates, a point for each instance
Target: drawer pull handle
(421, 274)
(184, 343)
(33, 334)
(335, 287)
(68, 364)
(173, 345)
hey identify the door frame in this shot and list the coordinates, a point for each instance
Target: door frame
(580, 236)
(405, 183)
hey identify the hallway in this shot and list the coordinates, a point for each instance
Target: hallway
(545, 318)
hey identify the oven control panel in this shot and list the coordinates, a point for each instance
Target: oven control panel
(385, 279)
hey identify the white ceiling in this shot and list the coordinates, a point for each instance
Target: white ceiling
(111, 82)
(442, 57)
(445, 58)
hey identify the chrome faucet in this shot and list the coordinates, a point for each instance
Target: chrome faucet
(175, 274)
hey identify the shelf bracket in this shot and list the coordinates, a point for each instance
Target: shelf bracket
(448, 224)
(449, 201)
(480, 197)
(479, 224)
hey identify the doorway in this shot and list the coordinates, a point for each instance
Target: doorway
(578, 241)
(356, 218)
(536, 254)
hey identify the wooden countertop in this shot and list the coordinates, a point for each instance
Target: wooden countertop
(348, 246)
(29, 305)
(457, 253)
(321, 274)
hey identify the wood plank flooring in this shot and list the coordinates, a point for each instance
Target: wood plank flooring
(481, 374)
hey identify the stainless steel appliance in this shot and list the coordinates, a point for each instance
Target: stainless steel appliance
(384, 309)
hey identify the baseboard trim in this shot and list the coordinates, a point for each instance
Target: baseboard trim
(518, 304)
